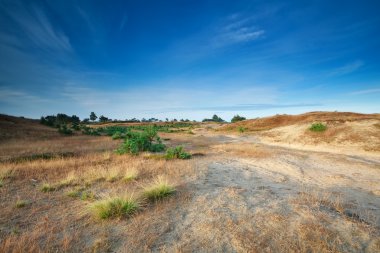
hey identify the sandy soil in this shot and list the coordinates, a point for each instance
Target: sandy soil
(245, 203)
(239, 193)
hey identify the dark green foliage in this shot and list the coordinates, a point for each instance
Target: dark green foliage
(118, 135)
(318, 127)
(93, 116)
(214, 118)
(75, 126)
(59, 120)
(90, 131)
(237, 118)
(177, 153)
(136, 142)
(103, 119)
(64, 130)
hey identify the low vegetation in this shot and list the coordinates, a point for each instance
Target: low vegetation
(177, 153)
(237, 118)
(21, 203)
(215, 118)
(159, 189)
(46, 187)
(318, 127)
(136, 142)
(115, 208)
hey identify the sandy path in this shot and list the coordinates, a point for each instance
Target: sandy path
(235, 195)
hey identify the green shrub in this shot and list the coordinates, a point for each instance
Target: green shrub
(117, 135)
(136, 142)
(318, 127)
(115, 207)
(177, 153)
(64, 130)
(241, 129)
(237, 118)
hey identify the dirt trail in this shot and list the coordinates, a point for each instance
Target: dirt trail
(235, 194)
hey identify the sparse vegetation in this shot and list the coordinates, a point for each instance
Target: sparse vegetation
(21, 203)
(237, 118)
(177, 153)
(46, 187)
(318, 127)
(80, 170)
(159, 189)
(214, 118)
(241, 129)
(115, 208)
(130, 174)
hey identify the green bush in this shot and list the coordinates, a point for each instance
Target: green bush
(237, 118)
(136, 142)
(64, 130)
(241, 129)
(318, 127)
(177, 153)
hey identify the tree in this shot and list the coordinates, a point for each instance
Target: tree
(75, 119)
(237, 118)
(103, 118)
(93, 116)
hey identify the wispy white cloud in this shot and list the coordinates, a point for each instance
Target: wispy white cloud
(237, 29)
(346, 69)
(35, 24)
(367, 91)
(123, 22)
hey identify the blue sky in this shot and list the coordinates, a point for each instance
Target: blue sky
(188, 59)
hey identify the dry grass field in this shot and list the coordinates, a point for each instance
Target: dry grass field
(275, 187)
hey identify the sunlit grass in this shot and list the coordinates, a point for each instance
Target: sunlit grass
(114, 208)
(158, 189)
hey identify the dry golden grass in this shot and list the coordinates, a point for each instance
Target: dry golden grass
(243, 150)
(267, 123)
(61, 220)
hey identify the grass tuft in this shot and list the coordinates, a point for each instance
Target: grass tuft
(21, 203)
(130, 174)
(47, 188)
(114, 208)
(159, 189)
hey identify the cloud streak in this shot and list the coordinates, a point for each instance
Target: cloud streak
(346, 69)
(242, 107)
(368, 91)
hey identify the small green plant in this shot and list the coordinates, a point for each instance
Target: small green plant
(318, 127)
(64, 130)
(241, 129)
(21, 203)
(73, 193)
(47, 188)
(114, 208)
(177, 153)
(159, 189)
(87, 195)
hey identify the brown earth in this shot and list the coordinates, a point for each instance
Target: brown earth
(239, 193)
